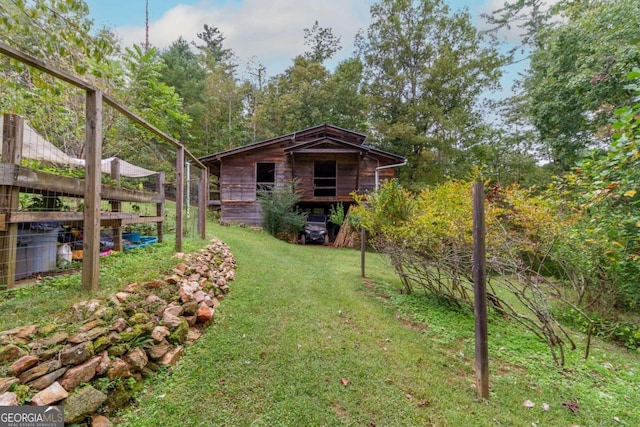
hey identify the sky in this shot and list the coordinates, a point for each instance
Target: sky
(270, 32)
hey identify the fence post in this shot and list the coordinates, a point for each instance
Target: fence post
(203, 202)
(160, 206)
(116, 205)
(480, 292)
(92, 192)
(179, 197)
(363, 250)
(9, 198)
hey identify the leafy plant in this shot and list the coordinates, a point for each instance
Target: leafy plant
(602, 248)
(336, 214)
(429, 239)
(279, 212)
(40, 203)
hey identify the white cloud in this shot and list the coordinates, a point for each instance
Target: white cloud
(272, 30)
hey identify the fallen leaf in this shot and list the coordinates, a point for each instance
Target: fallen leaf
(572, 406)
(344, 381)
(630, 193)
(424, 403)
(528, 404)
(408, 396)
(546, 406)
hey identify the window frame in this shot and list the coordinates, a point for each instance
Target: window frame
(325, 185)
(262, 184)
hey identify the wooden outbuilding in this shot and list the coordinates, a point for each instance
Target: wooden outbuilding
(327, 162)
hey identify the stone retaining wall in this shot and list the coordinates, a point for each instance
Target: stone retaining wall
(131, 334)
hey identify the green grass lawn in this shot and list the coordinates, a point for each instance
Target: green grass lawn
(302, 340)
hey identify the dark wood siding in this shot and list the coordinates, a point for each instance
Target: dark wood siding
(294, 157)
(238, 173)
(346, 176)
(238, 183)
(242, 213)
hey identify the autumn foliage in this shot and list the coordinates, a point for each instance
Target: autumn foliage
(429, 239)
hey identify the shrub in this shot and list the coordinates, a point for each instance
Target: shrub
(279, 213)
(429, 239)
(336, 214)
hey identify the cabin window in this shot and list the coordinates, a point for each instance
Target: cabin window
(265, 176)
(324, 178)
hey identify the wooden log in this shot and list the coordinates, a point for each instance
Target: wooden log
(12, 134)
(363, 247)
(37, 181)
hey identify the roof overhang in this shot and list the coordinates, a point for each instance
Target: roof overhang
(322, 139)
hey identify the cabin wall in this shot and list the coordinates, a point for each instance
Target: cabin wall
(238, 174)
(346, 173)
(237, 183)
(249, 213)
(349, 177)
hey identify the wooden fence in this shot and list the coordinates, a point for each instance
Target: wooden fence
(16, 179)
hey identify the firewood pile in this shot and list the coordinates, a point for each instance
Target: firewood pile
(347, 237)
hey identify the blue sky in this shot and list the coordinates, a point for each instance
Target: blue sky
(266, 31)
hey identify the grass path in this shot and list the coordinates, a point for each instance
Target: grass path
(301, 341)
(285, 338)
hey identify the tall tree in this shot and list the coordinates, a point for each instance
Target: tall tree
(295, 99)
(253, 89)
(577, 76)
(212, 47)
(322, 42)
(425, 68)
(308, 94)
(530, 16)
(154, 100)
(224, 122)
(348, 107)
(184, 72)
(59, 33)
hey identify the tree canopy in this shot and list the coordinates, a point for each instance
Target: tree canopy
(425, 68)
(417, 84)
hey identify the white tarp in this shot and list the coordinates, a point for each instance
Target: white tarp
(35, 147)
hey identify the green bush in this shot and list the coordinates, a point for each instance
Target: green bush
(604, 244)
(621, 332)
(279, 213)
(336, 214)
